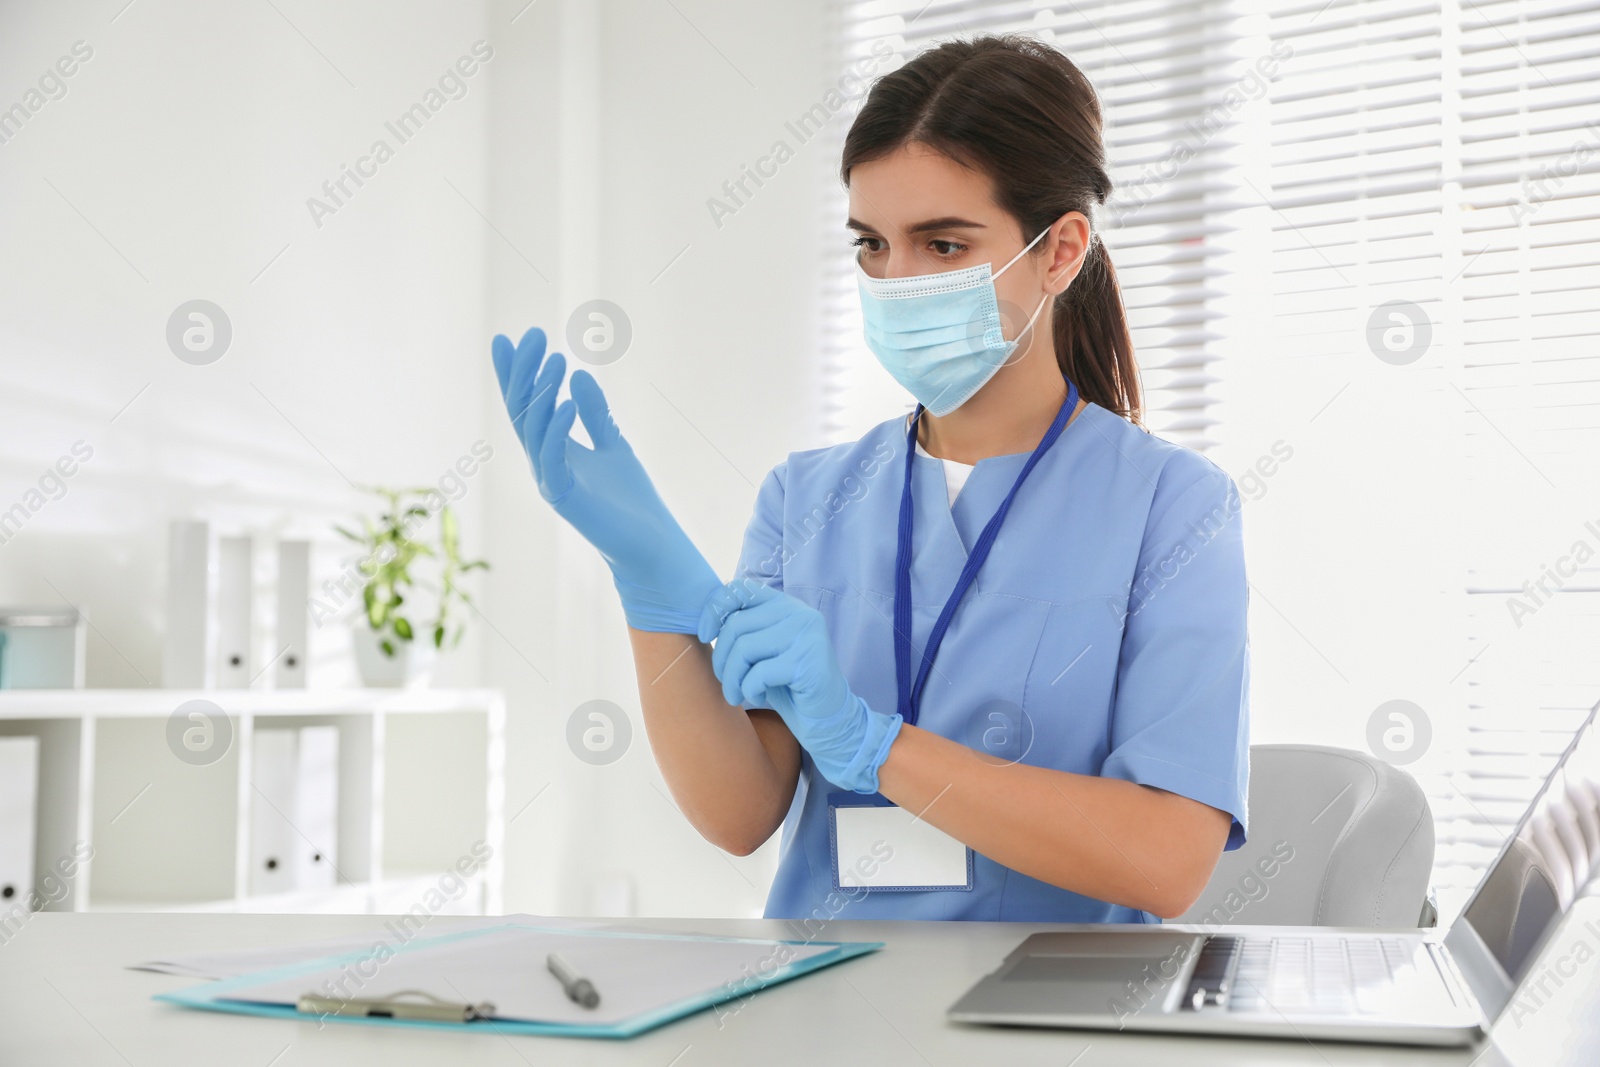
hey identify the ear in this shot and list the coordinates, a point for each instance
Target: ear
(1067, 246)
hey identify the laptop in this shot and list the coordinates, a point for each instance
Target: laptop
(1421, 987)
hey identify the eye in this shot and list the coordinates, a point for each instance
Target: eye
(950, 249)
(871, 244)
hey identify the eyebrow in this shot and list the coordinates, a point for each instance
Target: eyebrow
(948, 222)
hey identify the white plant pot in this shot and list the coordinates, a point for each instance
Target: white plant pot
(411, 666)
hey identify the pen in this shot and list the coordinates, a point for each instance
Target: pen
(578, 988)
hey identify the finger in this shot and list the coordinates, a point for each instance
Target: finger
(555, 478)
(714, 613)
(525, 361)
(745, 624)
(746, 651)
(539, 405)
(536, 397)
(742, 623)
(503, 353)
(527, 366)
(764, 677)
(593, 409)
(744, 591)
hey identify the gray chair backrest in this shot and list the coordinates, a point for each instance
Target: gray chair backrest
(1337, 838)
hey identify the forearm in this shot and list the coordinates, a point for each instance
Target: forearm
(1106, 838)
(732, 773)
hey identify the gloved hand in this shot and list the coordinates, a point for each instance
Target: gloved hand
(603, 491)
(773, 651)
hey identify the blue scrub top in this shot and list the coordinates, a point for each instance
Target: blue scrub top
(1105, 634)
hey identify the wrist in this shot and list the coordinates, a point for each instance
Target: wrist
(878, 734)
(656, 610)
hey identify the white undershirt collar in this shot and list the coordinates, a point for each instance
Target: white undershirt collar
(955, 472)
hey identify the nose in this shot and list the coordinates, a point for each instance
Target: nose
(905, 261)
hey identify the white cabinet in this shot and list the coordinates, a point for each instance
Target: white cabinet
(165, 799)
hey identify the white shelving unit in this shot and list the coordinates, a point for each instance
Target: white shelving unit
(188, 848)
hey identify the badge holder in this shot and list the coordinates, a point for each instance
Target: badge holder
(880, 847)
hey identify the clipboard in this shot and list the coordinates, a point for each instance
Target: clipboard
(450, 980)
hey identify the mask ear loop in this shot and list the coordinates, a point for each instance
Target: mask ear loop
(1018, 256)
(1012, 357)
(1032, 318)
(1093, 237)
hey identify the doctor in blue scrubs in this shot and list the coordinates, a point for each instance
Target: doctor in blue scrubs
(989, 661)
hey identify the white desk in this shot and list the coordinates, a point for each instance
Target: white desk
(66, 998)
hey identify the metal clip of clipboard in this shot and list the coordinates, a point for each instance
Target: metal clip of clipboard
(393, 1007)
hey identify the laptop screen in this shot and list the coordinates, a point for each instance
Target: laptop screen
(1544, 863)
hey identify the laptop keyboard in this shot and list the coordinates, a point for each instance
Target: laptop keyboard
(1296, 975)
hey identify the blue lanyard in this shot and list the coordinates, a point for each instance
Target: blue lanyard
(911, 695)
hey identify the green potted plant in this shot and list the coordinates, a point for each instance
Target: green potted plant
(394, 645)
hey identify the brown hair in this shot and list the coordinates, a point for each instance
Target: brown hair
(1021, 112)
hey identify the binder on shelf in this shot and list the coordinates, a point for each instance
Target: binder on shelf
(294, 600)
(317, 807)
(272, 814)
(492, 978)
(233, 614)
(294, 809)
(184, 646)
(19, 802)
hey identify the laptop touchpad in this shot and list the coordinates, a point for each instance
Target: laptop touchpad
(1084, 973)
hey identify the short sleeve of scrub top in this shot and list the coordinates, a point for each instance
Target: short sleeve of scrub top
(1184, 673)
(762, 554)
(1107, 624)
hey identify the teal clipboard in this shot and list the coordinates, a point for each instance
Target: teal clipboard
(212, 996)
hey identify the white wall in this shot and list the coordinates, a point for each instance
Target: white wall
(578, 165)
(606, 194)
(177, 166)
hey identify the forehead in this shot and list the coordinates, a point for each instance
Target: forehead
(915, 183)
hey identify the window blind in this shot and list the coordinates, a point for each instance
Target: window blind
(1528, 110)
(1436, 148)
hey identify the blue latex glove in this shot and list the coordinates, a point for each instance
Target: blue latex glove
(773, 651)
(603, 491)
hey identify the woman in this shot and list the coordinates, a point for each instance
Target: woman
(989, 661)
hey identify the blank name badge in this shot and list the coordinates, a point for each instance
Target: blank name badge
(878, 845)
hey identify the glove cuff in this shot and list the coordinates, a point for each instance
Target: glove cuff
(653, 611)
(860, 775)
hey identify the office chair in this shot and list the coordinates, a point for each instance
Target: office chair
(1336, 838)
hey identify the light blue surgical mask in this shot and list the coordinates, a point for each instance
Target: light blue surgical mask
(939, 335)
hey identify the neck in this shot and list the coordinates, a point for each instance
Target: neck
(1010, 413)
